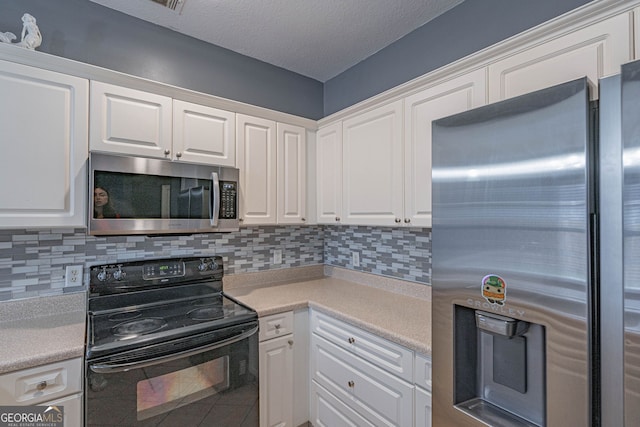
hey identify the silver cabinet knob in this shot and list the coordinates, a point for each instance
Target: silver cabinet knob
(351, 384)
(290, 342)
(304, 219)
(351, 340)
(178, 154)
(277, 326)
(41, 386)
(407, 220)
(398, 220)
(337, 219)
(167, 152)
(240, 219)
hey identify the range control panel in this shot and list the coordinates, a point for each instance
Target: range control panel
(130, 276)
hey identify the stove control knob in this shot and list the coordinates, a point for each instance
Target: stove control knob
(204, 266)
(213, 265)
(102, 276)
(119, 274)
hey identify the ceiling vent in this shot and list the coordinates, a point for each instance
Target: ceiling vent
(171, 4)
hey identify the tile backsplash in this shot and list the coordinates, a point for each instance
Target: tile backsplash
(402, 253)
(32, 262)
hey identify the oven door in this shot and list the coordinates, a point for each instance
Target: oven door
(170, 384)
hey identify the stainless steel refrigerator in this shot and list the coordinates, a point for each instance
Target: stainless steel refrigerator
(536, 259)
(513, 271)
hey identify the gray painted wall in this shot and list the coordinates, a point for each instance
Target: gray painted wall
(90, 33)
(467, 28)
(93, 34)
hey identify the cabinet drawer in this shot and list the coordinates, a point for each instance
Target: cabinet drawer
(276, 325)
(423, 372)
(383, 353)
(380, 397)
(41, 384)
(329, 411)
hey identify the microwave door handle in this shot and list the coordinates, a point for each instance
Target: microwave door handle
(214, 215)
(106, 368)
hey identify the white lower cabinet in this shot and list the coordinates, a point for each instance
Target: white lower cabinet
(56, 384)
(422, 399)
(276, 370)
(353, 381)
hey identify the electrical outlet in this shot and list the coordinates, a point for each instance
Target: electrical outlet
(277, 256)
(355, 258)
(73, 275)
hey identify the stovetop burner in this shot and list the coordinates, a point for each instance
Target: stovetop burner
(127, 315)
(206, 313)
(137, 327)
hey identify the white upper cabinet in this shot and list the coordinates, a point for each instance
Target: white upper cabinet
(134, 122)
(204, 134)
(594, 51)
(272, 161)
(329, 174)
(256, 156)
(291, 172)
(43, 123)
(130, 121)
(372, 167)
(420, 109)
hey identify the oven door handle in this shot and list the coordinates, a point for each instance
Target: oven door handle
(107, 368)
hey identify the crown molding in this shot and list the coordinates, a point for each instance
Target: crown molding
(584, 16)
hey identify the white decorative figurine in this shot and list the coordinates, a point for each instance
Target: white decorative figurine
(31, 37)
(7, 37)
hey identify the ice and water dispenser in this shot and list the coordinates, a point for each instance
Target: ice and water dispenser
(499, 368)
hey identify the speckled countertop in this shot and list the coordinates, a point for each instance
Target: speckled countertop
(396, 310)
(37, 331)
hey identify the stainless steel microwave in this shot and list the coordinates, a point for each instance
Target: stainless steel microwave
(139, 195)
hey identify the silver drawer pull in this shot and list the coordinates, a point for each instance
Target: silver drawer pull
(351, 340)
(41, 386)
(351, 384)
(277, 326)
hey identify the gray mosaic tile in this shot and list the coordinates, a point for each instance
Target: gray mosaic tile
(32, 262)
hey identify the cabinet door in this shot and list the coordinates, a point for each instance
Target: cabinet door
(203, 134)
(72, 409)
(329, 170)
(43, 175)
(451, 97)
(291, 171)
(130, 121)
(372, 167)
(423, 407)
(276, 382)
(595, 51)
(256, 156)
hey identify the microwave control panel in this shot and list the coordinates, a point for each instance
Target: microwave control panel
(228, 199)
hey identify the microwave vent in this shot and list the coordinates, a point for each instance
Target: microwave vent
(171, 4)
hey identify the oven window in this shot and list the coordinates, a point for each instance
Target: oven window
(166, 392)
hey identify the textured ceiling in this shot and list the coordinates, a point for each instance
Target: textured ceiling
(315, 38)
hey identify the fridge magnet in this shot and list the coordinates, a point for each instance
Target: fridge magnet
(494, 289)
